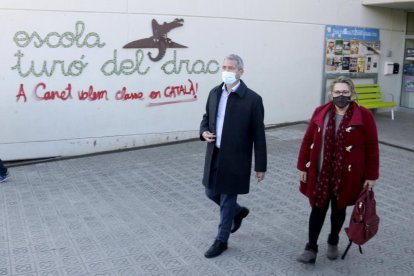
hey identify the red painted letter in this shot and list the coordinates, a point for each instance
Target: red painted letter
(21, 93)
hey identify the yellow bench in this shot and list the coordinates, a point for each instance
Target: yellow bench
(369, 96)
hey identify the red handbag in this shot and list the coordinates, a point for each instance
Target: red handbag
(364, 221)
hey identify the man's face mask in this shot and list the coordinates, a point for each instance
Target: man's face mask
(228, 77)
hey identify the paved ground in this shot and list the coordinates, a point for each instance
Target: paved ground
(144, 212)
(399, 132)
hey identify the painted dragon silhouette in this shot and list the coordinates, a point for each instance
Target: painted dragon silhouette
(159, 38)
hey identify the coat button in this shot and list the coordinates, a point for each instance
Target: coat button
(349, 168)
(311, 146)
(348, 129)
(307, 164)
(319, 129)
(348, 148)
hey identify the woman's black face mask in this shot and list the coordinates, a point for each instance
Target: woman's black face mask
(341, 101)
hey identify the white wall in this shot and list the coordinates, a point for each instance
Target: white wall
(281, 43)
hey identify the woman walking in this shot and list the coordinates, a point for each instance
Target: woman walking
(339, 155)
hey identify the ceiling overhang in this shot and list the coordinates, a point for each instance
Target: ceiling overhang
(396, 4)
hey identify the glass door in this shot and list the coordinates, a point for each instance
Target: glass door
(407, 91)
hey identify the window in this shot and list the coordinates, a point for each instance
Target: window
(410, 23)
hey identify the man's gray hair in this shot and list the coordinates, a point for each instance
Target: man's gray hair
(239, 61)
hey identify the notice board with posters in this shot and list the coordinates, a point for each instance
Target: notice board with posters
(353, 52)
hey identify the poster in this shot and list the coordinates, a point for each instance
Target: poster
(408, 69)
(409, 53)
(409, 83)
(352, 50)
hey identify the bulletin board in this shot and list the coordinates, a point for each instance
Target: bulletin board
(353, 52)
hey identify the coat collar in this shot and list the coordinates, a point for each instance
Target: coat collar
(241, 91)
(356, 118)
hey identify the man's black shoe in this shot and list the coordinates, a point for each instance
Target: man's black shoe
(216, 249)
(237, 221)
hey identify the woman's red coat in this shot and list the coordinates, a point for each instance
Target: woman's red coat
(360, 163)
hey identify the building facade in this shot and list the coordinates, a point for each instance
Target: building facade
(79, 77)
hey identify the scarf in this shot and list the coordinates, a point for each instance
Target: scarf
(330, 177)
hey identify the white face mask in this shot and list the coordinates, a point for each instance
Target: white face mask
(228, 77)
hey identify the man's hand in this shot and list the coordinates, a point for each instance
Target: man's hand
(209, 137)
(303, 176)
(260, 176)
(369, 183)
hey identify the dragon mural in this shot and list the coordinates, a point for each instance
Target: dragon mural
(159, 38)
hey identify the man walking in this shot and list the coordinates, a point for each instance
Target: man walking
(232, 124)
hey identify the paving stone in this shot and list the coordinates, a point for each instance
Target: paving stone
(144, 212)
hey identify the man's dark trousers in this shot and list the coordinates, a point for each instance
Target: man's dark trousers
(3, 169)
(227, 202)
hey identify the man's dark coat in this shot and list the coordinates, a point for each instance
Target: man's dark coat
(243, 127)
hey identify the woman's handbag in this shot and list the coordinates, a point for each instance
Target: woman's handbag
(364, 221)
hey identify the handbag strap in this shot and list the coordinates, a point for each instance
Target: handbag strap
(346, 250)
(349, 246)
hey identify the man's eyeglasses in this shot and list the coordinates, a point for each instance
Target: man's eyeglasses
(343, 92)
